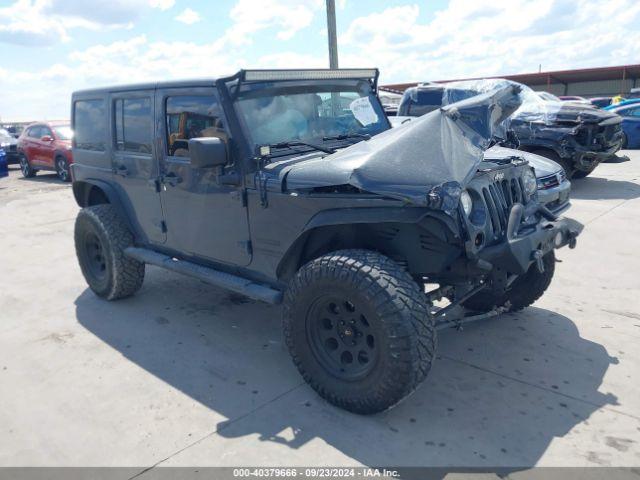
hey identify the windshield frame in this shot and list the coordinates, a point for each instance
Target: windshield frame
(242, 89)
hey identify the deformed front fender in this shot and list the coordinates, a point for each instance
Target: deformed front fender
(335, 229)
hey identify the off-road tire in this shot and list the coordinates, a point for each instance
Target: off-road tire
(565, 163)
(62, 169)
(116, 275)
(524, 291)
(398, 314)
(25, 167)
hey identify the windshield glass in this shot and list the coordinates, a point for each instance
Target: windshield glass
(63, 132)
(311, 113)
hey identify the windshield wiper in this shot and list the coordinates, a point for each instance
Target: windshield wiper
(294, 143)
(344, 136)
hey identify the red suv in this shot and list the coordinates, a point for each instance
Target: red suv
(46, 146)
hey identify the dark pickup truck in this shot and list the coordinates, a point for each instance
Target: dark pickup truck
(576, 137)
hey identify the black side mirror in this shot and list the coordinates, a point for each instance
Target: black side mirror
(207, 152)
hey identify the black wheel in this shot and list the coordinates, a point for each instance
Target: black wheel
(25, 167)
(359, 330)
(583, 173)
(101, 237)
(62, 169)
(565, 163)
(524, 291)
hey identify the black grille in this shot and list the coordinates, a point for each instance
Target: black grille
(499, 198)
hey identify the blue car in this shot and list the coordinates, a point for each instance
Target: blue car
(4, 168)
(630, 114)
(624, 103)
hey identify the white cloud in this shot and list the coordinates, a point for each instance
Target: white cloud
(289, 16)
(465, 39)
(492, 37)
(189, 16)
(46, 22)
(162, 4)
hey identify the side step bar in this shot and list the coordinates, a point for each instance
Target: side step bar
(209, 275)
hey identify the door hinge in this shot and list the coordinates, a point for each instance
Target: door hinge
(240, 195)
(163, 226)
(155, 184)
(247, 247)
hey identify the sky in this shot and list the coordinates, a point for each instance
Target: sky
(49, 48)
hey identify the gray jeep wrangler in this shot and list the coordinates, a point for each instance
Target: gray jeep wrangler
(290, 186)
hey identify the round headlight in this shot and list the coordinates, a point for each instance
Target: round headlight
(530, 183)
(466, 202)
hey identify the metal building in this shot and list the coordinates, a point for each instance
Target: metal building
(586, 82)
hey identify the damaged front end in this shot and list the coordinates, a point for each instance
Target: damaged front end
(435, 166)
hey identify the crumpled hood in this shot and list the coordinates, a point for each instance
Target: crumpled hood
(441, 149)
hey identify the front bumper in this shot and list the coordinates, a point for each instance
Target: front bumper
(520, 249)
(556, 198)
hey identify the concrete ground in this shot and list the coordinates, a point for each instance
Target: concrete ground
(186, 374)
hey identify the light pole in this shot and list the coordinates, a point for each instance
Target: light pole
(331, 34)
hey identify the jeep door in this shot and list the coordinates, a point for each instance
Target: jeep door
(204, 218)
(133, 161)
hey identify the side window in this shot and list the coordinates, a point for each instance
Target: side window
(90, 125)
(134, 126)
(190, 117)
(45, 131)
(34, 132)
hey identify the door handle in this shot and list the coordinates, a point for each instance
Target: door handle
(122, 171)
(172, 179)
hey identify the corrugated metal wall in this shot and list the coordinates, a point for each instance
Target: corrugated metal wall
(601, 88)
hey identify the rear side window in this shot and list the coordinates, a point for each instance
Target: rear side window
(191, 117)
(33, 132)
(134, 126)
(90, 125)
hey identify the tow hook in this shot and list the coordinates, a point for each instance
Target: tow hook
(537, 257)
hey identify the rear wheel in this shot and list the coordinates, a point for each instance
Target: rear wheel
(62, 169)
(359, 330)
(101, 238)
(524, 291)
(565, 163)
(25, 167)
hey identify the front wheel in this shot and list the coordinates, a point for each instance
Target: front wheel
(101, 238)
(524, 291)
(25, 167)
(565, 163)
(583, 173)
(359, 330)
